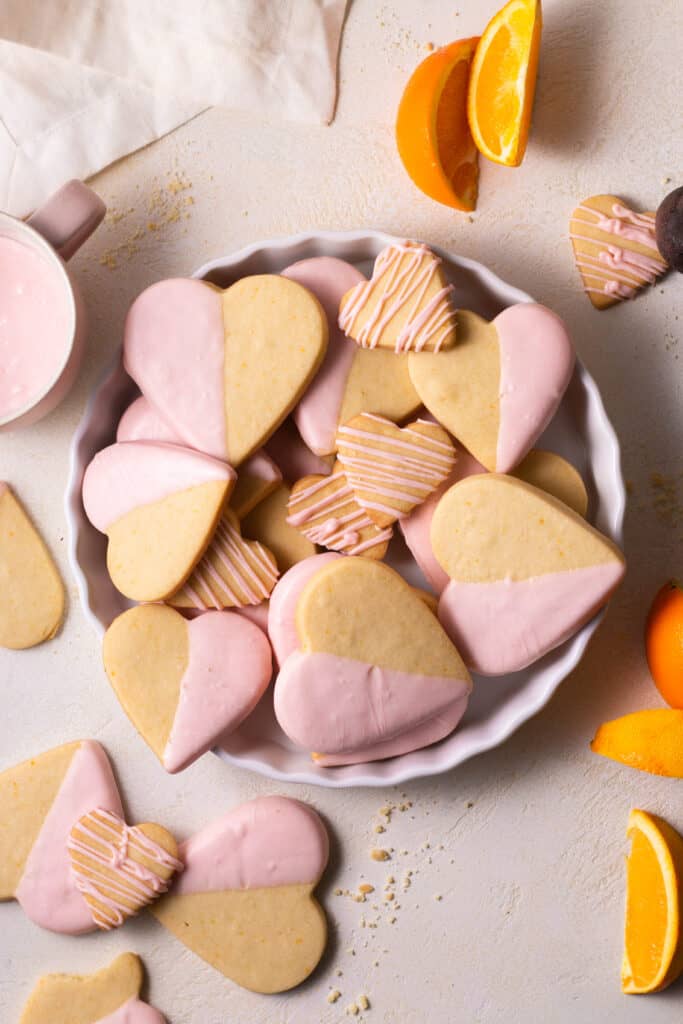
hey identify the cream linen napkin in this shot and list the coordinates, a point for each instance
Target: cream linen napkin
(83, 82)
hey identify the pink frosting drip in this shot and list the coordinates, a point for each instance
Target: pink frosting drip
(47, 890)
(283, 601)
(317, 414)
(266, 842)
(125, 476)
(142, 422)
(133, 1011)
(504, 626)
(174, 349)
(228, 671)
(293, 458)
(536, 364)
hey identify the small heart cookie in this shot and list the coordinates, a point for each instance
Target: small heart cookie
(525, 571)
(326, 511)
(615, 250)
(224, 368)
(31, 589)
(406, 305)
(498, 388)
(184, 683)
(392, 469)
(268, 524)
(120, 869)
(351, 380)
(244, 902)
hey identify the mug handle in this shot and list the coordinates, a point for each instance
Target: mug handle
(69, 217)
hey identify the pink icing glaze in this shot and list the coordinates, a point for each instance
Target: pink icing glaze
(47, 890)
(536, 364)
(256, 613)
(133, 1011)
(283, 602)
(292, 456)
(263, 843)
(36, 321)
(317, 414)
(504, 626)
(228, 671)
(126, 476)
(334, 705)
(261, 466)
(174, 349)
(141, 422)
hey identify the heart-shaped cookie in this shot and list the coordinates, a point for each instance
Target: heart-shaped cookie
(224, 368)
(142, 422)
(392, 469)
(525, 571)
(373, 665)
(268, 524)
(615, 249)
(119, 869)
(184, 683)
(159, 505)
(244, 902)
(406, 305)
(498, 388)
(326, 511)
(233, 572)
(351, 380)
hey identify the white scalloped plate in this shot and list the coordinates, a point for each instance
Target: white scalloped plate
(580, 431)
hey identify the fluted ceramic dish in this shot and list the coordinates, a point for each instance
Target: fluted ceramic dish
(580, 431)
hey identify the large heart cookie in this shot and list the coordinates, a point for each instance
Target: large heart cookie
(615, 250)
(39, 802)
(525, 571)
(373, 665)
(31, 589)
(268, 524)
(224, 368)
(118, 868)
(406, 306)
(111, 995)
(498, 388)
(244, 902)
(392, 469)
(159, 505)
(351, 380)
(185, 683)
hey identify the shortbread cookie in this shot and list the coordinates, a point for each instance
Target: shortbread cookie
(184, 683)
(224, 368)
(39, 802)
(120, 869)
(370, 648)
(406, 305)
(284, 599)
(142, 422)
(31, 589)
(392, 469)
(233, 572)
(159, 505)
(551, 473)
(293, 458)
(498, 388)
(268, 524)
(615, 249)
(526, 572)
(351, 380)
(110, 996)
(326, 511)
(244, 902)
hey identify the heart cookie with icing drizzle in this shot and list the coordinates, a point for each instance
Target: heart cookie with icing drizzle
(225, 368)
(406, 305)
(392, 469)
(371, 649)
(183, 684)
(615, 250)
(525, 571)
(244, 902)
(327, 512)
(120, 869)
(500, 385)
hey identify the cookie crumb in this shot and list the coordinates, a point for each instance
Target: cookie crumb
(352, 1010)
(364, 1002)
(365, 888)
(429, 47)
(470, 803)
(334, 995)
(379, 829)
(380, 854)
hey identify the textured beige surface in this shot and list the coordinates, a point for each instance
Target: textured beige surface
(84, 998)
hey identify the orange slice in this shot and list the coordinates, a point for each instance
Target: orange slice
(432, 135)
(503, 81)
(653, 957)
(651, 741)
(664, 643)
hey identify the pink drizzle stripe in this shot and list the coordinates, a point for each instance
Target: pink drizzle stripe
(619, 272)
(334, 521)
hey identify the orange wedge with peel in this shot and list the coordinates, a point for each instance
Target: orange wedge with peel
(653, 955)
(664, 642)
(432, 134)
(651, 741)
(503, 82)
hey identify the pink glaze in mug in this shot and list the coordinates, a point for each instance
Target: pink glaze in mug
(42, 318)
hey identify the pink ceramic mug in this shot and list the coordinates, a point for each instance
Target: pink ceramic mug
(42, 321)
